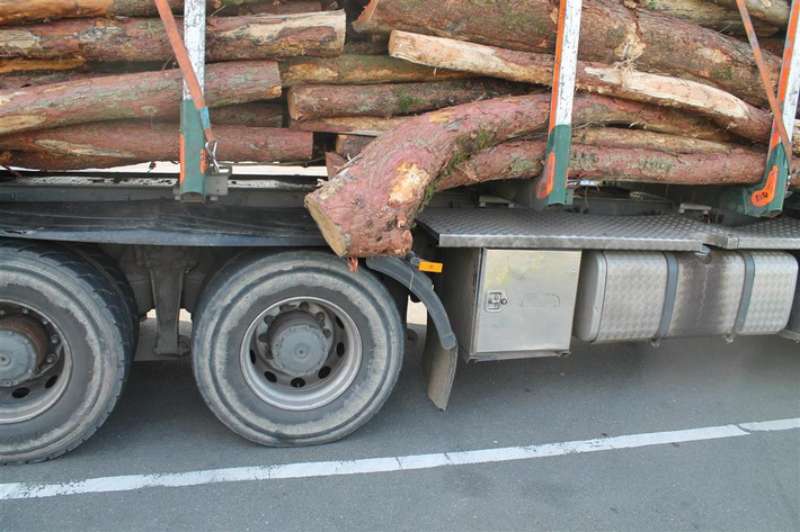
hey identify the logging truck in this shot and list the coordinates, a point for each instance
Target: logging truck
(518, 246)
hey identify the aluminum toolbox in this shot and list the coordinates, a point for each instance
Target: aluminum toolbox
(506, 303)
(650, 295)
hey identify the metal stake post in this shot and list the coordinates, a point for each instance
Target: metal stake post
(553, 184)
(193, 152)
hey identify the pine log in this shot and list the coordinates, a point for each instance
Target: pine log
(348, 146)
(40, 65)
(704, 13)
(58, 163)
(615, 137)
(144, 39)
(369, 206)
(357, 70)
(775, 12)
(256, 114)
(369, 126)
(723, 108)
(523, 160)
(128, 142)
(271, 7)
(392, 99)
(26, 11)
(610, 33)
(140, 95)
(333, 163)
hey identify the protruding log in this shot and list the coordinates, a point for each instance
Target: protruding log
(392, 99)
(370, 205)
(357, 70)
(348, 146)
(369, 126)
(137, 39)
(725, 109)
(140, 95)
(523, 160)
(610, 33)
(127, 142)
(26, 11)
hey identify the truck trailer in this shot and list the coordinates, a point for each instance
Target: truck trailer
(298, 342)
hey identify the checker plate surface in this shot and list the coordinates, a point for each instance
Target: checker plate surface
(525, 228)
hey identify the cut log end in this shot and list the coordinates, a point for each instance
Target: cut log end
(331, 232)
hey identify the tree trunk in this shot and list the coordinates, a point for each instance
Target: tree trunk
(271, 7)
(706, 14)
(358, 69)
(725, 109)
(369, 207)
(348, 146)
(140, 95)
(368, 126)
(614, 137)
(775, 12)
(144, 39)
(610, 33)
(40, 65)
(128, 142)
(13, 12)
(523, 160)
(256, 114)
(392, 99)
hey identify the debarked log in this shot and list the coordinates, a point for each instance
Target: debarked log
(144, 39)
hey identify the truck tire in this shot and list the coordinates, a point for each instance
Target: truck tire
(65, 351)
(294, 349)
(123, 292)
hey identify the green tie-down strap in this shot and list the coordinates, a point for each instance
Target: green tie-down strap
(559, 142)
(193, 185)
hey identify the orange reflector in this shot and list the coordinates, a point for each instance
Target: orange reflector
(430, 267)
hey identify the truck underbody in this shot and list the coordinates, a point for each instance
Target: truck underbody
(292, 345)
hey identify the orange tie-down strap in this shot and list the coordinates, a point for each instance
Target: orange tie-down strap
(185, 64)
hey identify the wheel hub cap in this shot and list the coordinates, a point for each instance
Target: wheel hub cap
(23, 342)
(298, 344)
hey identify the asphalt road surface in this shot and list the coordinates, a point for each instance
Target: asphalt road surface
(695, 435)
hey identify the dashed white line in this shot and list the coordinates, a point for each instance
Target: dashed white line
(22, 490)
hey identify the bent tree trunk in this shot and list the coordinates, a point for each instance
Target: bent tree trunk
(141, 95)
(126, 142)
(139, 40)
(610, 33)
(369, 206)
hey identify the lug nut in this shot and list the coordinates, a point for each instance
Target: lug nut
(50, 358)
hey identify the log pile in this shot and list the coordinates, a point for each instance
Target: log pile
(398, 98)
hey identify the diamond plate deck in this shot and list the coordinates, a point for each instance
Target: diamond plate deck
(524, 228)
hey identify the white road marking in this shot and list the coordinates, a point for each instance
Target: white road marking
(21, 490)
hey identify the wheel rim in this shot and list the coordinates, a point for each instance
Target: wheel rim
(26, 398)
(301, 353)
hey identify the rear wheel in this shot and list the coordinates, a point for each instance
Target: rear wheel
(62, 351)
(294, 349)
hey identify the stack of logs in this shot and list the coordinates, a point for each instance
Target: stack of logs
(456, 92)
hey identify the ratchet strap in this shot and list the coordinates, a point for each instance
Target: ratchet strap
(189, 75)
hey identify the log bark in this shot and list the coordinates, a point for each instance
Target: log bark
(256, 114)
(614, 137)
(392, 99)
(40, 65)
(369, 126)
(271, 7)
(358, 70)
(726, 110)
(523, 160)
(140, 95)
(369, 206)
(15, 12)
(704, 13)
(144, 39)
(775, 12)
(333, 163)
(610, 33)
(120, 143)
(348, 146)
